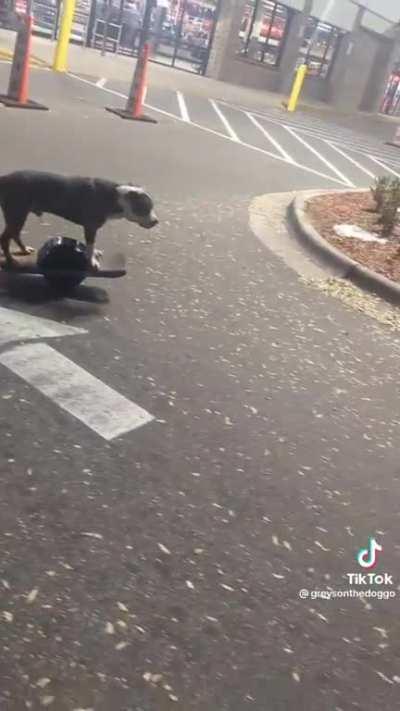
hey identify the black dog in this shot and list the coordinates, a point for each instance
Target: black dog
(89, 202)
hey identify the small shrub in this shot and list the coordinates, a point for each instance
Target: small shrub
(389, 218)
(379, 190)
(386, 193)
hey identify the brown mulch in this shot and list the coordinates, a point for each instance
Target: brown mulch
(326, 211)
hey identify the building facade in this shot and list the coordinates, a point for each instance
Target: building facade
(350, 49)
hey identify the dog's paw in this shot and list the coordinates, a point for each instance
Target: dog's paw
(95, 263)
(26, 250)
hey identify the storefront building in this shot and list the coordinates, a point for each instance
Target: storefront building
(350, 50)
(182, 31)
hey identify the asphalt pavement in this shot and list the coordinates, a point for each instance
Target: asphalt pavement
(161, 568)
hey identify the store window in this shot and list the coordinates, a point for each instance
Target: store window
(263, 31)
(321, 42)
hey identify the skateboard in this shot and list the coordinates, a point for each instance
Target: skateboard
(49, 262)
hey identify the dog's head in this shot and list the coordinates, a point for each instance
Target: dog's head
(137, 206)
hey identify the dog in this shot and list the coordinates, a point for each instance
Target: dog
(89, 202)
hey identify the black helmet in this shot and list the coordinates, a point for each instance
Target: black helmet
(63, 262)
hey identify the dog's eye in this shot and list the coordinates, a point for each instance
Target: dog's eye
(141, 203)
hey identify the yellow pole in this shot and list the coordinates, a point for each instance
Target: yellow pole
(61, 53)
(297, 87)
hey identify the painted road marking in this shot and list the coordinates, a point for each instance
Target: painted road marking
(225, 121)
(384, 166)
(102, 82)
(270, 138)
(74, 390)
(182, 107)
(17, 326)
(351, 160)
(330, 165)
(206, 129)
(71, 387)
(349, 142)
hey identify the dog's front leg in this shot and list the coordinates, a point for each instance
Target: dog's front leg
(5, 244)
(5, 240)
(24, 250)
(90, 237)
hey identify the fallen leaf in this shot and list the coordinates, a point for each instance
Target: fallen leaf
(32, 596)
(164, 549)
(121, 645)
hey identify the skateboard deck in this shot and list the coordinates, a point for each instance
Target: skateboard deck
(27, 265)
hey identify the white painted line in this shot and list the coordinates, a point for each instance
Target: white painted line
(102, 82)
(368, 153)
(391, 159)
(225, 121)
(337, 172)
(19, 326)
(351, 160)
(277, 120)
(73, 389)
(270, 138)
(384, 166)
(305, 168)
(320, 134)
(182, 107)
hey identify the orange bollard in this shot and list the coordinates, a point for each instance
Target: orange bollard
(18, 87)
(23, 92)
(133, 110)
(142, 83)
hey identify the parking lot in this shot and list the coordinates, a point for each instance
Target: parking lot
(315, 146)
(191, 448)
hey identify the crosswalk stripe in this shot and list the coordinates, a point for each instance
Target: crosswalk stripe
(183, 107)
(19, 326)
(75, 390)
(350, 159)
(270, 138)
(335, 170)
(225, 121)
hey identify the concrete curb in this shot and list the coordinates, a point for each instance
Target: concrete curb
(361, 276)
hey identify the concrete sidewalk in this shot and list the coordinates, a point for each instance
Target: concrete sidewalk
(85, 61)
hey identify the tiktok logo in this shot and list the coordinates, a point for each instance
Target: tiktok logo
(367, 557)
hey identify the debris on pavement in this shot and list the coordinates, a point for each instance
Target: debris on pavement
(358, 300)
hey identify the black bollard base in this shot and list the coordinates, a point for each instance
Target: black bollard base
(122, 113)
(15, 104)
